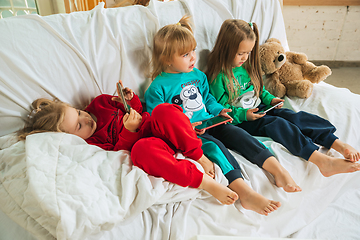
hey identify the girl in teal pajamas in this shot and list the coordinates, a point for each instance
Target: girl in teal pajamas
(176, 81)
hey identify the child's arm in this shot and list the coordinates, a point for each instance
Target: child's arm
(128, 134)
(220, 93)
(126, 140)
(135, 103)
(269, 99)
(211, 104)
(266, 97)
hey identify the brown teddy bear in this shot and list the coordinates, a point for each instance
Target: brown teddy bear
(289, 73)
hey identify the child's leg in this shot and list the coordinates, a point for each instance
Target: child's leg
(169, 123)
(281, 175)
(346, 150)
(289, 129)
(224, 194)
(156, 158)
(249, 199)
(329, 166)
(238, 139)
(282, 131)
(216, 151)
(319, 130)
(252, 200)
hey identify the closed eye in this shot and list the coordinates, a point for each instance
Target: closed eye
(79, 125)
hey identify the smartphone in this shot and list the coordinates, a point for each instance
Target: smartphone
(268, 108)
(122, 96)
(212, 122)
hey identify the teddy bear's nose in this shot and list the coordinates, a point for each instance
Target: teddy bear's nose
(280, 58)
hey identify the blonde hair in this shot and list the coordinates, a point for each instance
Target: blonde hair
(46, 116)
(171, 39)
(231, 34)
(125, 3)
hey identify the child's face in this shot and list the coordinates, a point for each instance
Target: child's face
(182, 63)
(78, 122)
(243, 52)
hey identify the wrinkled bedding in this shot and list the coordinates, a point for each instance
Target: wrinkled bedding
(73, 189)
(55, 186)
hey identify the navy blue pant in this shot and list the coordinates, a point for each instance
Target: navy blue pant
(297, 131)
(235, 138)
(234, 172)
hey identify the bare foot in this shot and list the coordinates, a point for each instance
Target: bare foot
(338, 165)
(252, 200)
(258, 203)
(222, 193)
(207, 165)
(351, 154)
(285, 181)
(346, 150)
(329, 166)
(281, 175)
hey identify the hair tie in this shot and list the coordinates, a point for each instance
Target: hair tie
(251, 25)
(178, 23)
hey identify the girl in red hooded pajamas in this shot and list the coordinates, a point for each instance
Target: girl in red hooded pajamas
(153, 140)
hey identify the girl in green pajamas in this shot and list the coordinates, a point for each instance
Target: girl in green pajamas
(235, 80)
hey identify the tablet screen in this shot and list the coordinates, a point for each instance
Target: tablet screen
(212, 122)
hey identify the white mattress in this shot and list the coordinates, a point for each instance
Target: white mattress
(56, 186)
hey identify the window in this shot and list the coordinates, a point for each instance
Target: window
(9, 8)
(322, 2)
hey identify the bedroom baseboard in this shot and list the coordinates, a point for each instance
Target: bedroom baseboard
(337, 64)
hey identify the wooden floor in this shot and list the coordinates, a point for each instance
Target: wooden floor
(345, 77)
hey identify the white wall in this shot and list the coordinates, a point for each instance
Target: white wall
(330, 33)
(47, 7)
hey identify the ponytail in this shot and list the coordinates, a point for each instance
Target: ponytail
(45, 116)
(171, 39)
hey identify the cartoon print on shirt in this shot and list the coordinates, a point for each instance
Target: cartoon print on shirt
(246, 100)
(191, 100)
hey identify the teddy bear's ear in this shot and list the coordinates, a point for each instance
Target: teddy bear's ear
(273, 40)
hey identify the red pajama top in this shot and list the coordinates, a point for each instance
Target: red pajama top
(110, 133)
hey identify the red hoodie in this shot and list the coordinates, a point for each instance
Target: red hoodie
(110, 133)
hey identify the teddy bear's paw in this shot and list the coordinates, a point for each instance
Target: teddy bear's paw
(305, 90)
(278, 90)
(319, 74)
(301, 89)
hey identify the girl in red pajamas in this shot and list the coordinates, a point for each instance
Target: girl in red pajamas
(153, 140)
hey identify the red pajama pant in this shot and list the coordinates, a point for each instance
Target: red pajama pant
(171, 133)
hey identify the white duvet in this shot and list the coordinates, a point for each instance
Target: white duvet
(54, 185)
(71, 189)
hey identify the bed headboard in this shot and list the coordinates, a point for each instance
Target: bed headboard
(76, 56)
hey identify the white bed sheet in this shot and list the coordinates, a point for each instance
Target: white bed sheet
(77, 56)
(50, 191)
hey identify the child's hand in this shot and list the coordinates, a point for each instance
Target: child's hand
(251, 114)
(132, 120)
(276, 101)
(128, 93)
(225, 112)
(198, 131)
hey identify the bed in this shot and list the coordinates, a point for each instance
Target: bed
(55, 186)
